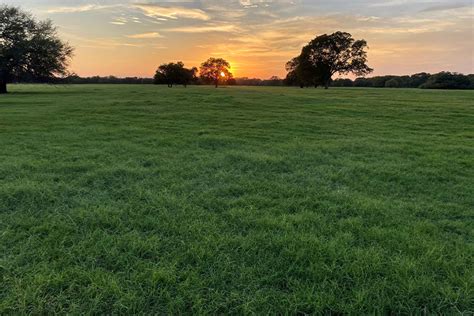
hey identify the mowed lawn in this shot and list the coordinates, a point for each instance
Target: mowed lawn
(143, 199)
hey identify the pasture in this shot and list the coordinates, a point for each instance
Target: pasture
(143, 199)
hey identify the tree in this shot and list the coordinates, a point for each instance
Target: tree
(174, 73)
(343, 82)
(380, 81)
(447, 80)
(392, 83)
(301, 72)
(273, 81)
(215, 70)
(190, 76)
(362, 82)
(327, 55)
(471, 80)
(29, 49)
(419, 79)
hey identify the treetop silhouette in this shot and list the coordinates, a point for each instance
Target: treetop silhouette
(327, 55)
(29, 49)
(215, 70)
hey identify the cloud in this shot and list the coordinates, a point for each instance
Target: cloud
(390, 3)
(145, 35)
(119, 21)
(444, 7)
(161, 12)
(264, 3)
(78, 9)
(228, 28)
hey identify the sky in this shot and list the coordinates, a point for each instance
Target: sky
(133, 37)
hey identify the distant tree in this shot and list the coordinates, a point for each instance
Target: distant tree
(29, 49)
(174, 73)
(215, 70)
(447, 80)
(392, 83)
(417, 80)
(342, 83)
(231, 82)
(75, 79)
(245, 81)
(443, 80)
(327, 55)
(471, 80)
(274, 81)
(380, 81)
(362, 82)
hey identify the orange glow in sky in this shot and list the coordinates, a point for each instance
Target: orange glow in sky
(258, 37)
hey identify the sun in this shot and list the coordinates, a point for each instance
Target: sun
(222, 74)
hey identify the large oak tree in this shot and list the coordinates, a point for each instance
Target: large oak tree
(327, 55)
(215, 70)
(175, 73)
(29, 49)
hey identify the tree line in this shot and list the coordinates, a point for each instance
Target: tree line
(442, 80)
(31, 51)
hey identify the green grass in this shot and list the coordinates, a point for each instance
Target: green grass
(144, 199)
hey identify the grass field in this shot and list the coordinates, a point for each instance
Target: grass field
(144, 199)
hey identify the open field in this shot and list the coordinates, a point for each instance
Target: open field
(144, 199)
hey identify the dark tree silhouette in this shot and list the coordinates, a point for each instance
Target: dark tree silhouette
(29, 49)
(328, 55)
(301, 72)
(174, 73)
(418, 79)
(190, 76)
(215, 70)
(447, 80)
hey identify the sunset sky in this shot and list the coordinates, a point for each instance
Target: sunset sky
(131, 38)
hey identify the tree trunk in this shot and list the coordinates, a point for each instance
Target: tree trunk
(326, 85)
(3, 87)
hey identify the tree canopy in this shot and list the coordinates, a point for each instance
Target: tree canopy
(327, 55)
(29, 49)
(215, 70)
(448, 80)
(442, 80)
(175, 73)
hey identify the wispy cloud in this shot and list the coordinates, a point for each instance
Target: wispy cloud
(206, 28)
(78, 9)
(145, 35)
(444, 7)
(162, 12)
(119, 21)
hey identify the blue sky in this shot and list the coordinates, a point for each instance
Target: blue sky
(123, 37)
